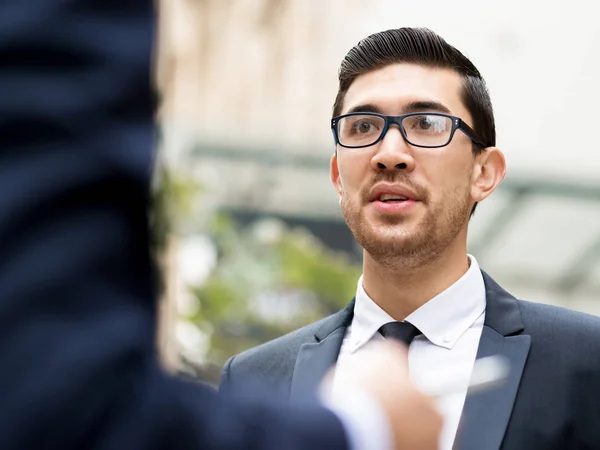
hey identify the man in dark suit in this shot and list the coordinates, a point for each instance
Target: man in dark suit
(415, 151)
(77, 312)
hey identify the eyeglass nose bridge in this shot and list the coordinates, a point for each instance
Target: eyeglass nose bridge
(394, 120)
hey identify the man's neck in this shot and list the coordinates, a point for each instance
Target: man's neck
(400, 291)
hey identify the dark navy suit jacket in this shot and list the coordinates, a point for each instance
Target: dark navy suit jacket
(550, 401)
(78, 368)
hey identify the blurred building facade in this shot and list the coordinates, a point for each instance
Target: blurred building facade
(247, 90)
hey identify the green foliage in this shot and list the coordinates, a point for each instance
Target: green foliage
(173, 198)
(268, 279)
(268, 282)
(309, 265)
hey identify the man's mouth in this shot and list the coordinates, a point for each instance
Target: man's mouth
(391, 198)
(390, 202)
(392, 193)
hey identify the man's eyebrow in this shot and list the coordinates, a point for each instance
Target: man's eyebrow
(366, 108)
(416, 106)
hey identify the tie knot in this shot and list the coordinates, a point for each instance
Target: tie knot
(403, 331)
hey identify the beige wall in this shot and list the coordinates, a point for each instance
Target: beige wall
(261, 74)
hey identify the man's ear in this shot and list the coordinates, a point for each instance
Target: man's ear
(334, 174)
(488, 173)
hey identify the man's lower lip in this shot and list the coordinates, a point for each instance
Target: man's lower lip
(394, 206)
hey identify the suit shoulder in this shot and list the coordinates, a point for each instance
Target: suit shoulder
(283, 347)
(565, 322)
(271, 363)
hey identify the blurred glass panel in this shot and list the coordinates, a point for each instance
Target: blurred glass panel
(594, 278)
(546, 237)
(485, 216)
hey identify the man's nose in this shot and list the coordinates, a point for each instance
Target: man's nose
(394, 152)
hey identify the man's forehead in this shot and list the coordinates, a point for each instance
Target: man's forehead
(392, 88)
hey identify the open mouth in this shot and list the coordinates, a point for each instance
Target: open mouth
(390, 203)
(389, 198)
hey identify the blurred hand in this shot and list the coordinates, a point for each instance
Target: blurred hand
(382, 372)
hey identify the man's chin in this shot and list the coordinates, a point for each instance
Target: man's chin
(398, 241)
(396, 231)
(398, 223)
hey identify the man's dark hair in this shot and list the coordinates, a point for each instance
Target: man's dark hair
(423, 47)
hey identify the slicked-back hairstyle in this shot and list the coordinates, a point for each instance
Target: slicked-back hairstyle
(423, 47)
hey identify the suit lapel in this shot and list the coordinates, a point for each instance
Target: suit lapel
(316, 358)
(486, 414)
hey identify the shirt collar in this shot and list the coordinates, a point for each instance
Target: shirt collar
(442, 320)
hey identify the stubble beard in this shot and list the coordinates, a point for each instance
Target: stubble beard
(398, 246)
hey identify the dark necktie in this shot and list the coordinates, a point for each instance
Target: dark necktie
(403, 331)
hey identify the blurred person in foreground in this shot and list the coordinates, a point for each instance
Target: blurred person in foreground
(415, 152)
(77, 298)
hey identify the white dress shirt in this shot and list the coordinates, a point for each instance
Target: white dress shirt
(451, 324)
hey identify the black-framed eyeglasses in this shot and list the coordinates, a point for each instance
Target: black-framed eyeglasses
(428, 130)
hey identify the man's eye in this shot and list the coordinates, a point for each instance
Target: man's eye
(364, 127)
(424, 123)
(431, 124)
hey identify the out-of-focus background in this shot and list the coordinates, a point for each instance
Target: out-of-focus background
(255, 244)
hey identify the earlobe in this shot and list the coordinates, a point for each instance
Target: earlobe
(489, 171)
